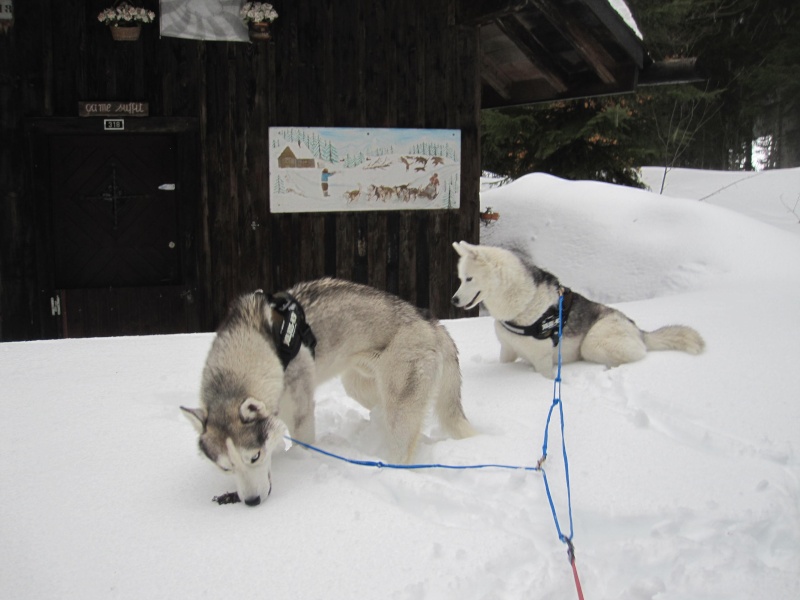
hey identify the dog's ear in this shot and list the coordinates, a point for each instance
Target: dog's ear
(197, 416)
(253, 410)
(464, 249)
(267, 312)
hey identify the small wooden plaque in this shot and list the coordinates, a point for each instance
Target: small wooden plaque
(113, 108)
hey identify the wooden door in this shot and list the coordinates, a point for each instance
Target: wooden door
(117, 235)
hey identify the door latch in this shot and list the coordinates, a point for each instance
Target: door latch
(55, 306)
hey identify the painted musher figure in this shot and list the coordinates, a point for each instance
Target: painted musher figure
(325, 176)
(431, 190)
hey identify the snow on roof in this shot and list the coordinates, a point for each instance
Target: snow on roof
(299, 150)
(625, 12)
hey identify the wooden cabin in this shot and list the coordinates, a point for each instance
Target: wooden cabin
(134, 183)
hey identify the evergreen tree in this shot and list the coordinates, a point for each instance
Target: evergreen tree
(313, 146)
(750, 52)
(581, 139)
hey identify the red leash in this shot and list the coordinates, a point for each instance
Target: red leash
(571, 555)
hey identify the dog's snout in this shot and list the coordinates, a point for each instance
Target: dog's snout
(253, 501)
(454, 300)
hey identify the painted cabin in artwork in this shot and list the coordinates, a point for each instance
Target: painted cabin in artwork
(151, 221)
(296, 156)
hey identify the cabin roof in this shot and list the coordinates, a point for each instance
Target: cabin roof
(544, 50)
(296, 150)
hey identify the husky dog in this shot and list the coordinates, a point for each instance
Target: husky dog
(524, 301)
(271, 352)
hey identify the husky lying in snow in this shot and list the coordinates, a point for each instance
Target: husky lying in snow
(523, 300)
(271, 352)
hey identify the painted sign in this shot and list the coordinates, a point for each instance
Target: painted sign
(323, 169)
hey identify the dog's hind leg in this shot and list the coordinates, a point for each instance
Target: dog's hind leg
(612, 341)
(447, 387)
(405, 387)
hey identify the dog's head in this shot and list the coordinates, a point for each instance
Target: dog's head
(475, 275)
(241, 444)
(241, 389)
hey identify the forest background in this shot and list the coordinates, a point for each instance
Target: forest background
(743, 114)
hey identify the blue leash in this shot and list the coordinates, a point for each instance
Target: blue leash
(383, 465)
(566, 539)
(557, 402)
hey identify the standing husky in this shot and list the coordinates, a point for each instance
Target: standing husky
(271, 352)
(524, 301)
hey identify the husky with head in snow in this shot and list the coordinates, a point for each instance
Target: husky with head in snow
(524, 301)
(271, 352)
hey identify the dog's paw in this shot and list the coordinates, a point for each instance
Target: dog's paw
(546, 370)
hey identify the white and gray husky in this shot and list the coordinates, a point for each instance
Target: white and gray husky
(271, 352)
(524, 301)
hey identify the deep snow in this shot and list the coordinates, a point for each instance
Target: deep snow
(684, 469)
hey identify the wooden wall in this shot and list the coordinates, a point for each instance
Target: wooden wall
(357, 64)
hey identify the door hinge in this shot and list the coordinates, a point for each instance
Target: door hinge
(55, 306)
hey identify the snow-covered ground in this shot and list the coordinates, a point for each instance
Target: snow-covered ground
(769, 196)
(684, 470)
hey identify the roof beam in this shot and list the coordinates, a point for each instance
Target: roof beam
(584, 42)
(494, 79)
(533, 51)
(671, 71)
(525, 93)
(480, 12)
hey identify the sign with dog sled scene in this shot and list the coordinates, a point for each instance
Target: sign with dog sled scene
(324, 169)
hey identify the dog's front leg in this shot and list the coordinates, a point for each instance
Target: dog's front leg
(507, 353)
(546, 369)
(297, 400)
(542, 359)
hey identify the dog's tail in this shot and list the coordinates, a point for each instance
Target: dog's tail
(448, 401)
(674, 337)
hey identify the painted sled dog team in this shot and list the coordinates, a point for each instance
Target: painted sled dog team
(271, 352)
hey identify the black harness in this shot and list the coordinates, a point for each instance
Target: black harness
(289, 327)
(547, 325)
